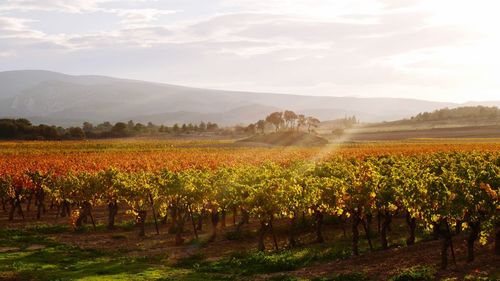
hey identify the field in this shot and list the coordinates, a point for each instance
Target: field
(222, 210)
(399, 130)
(401, 133)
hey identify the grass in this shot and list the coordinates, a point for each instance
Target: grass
(31, 253)
(353, 276)
(68, 263)
(55, 261)
(51, 260)
(250, 263)
(415, 273)
(478, 276)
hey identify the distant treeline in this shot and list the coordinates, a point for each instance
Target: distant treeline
(121, 129)
(459, 113)
(23, 129)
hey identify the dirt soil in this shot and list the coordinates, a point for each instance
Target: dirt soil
(378, 265)
(381, 265)
(459, 132)
(286, 139)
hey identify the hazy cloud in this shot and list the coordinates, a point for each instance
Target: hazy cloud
(367, 48)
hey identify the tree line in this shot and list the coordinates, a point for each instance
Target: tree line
(23, 129)
(458, 113)
(122, 129)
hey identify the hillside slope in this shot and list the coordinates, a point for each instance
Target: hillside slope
(461, 122)
(62, 99)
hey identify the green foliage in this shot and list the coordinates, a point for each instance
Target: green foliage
(248, 263)
(354, 276)
(479, 278)
(54, 261)
(459, 112)
(416, 273)
(283, 278)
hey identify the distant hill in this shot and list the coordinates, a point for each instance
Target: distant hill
(459, 113)
(244, 115)
(61, 99)
(450, 117)
(461, 122)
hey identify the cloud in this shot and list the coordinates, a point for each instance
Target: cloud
(129, 16)
(73, 6)
(7, 54)
(15, 33)
(300, 46)
(397, 4)
(139, 16)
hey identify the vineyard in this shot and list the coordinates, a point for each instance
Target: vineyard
(443, 189)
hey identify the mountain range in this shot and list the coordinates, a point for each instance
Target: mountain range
(61, 99)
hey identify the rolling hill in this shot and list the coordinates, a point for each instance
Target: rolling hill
(459, 122)
(56, 98)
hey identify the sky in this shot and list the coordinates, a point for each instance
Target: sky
(441, 50)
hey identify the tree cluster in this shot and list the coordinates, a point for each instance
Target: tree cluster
(348, 122)
(284, 121)
(24, 129)
(189, 128)
(459, 113)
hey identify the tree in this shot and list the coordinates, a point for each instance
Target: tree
(87, 127)
(275, 118)
(130, 125)
(301, 121)
(203, 126)
(250, 129)
(139, 127)
(24, 126)
(311, 122)
(151, 128)
(175, 128)
(76, 133)
(212, 126)
(261, 125)
(289, 117)
(119, 129)
(106, 126)
(48, 132)
(22, 122)
(8, 129)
